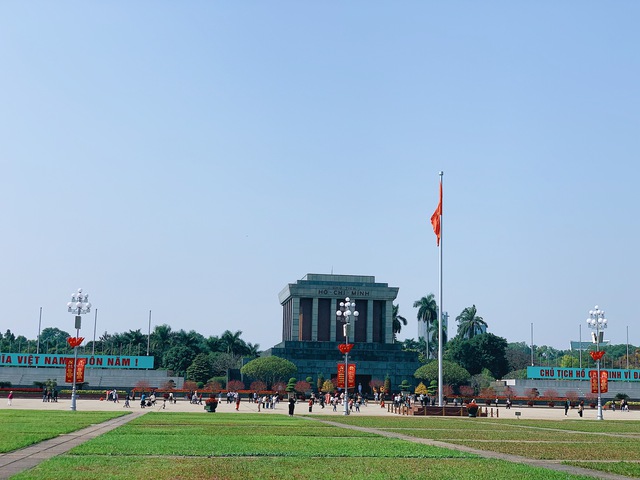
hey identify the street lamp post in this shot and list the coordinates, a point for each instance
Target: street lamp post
(597, 322)
(344, 315)
(78, 305)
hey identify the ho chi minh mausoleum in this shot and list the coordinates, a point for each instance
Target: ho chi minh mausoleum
(311, 331)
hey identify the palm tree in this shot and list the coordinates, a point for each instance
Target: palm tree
(397, 320)
(134, 337)
(214, 344)
(409, 344)
(427, 312)
(160, 337)
(252, 349)
(432, 332)
(469, 324)
(232, 342)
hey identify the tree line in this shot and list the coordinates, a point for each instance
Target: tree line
(172, 350)
(473, 357)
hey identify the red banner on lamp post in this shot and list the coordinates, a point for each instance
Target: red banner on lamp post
(68, 370)
(351, 376)
(604, 381)
(593, 375)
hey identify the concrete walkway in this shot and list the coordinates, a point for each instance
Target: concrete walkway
(28, 457)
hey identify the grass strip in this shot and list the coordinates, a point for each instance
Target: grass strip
(218, 419)
(615, 450)
(21, 428)
(309, 430)
(276, 468)
(629, 469)
(488, 424)
(524, 435)
(291, 445)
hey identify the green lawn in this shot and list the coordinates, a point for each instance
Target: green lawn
(21, 428)
(277, 468)
(165, 445)
(630, 469)
(268, 435)
(596, 445)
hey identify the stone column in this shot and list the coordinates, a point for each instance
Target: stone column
(388, 322)
(332, 324)
(314, 319)
(369, 321)
(295, 319)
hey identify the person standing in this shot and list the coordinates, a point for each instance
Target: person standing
(567, 404)
(10, 398)
(237, 400)
(292, 405)
(580, 408)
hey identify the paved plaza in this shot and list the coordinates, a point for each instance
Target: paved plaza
(302, 408)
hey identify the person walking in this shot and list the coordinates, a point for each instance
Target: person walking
(292, 405)
(10, 398)
(567, 404)
(580, 408)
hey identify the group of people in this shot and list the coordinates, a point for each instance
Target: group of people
(112, 396)
(147, 401)
(339, 399)
(624, 405)
(49, 394)
(265, 401)
(194, 397)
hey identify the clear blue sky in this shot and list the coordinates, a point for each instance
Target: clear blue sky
(192, 158)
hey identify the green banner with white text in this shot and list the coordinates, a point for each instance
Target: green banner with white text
(93, 361)
(559, 373)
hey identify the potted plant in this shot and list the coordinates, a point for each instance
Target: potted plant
(472, 408)
(211, 404)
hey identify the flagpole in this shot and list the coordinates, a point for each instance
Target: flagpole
(440, 310)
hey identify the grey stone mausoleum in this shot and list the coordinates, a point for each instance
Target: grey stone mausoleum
(311, 331)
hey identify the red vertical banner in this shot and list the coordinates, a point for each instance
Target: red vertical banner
(340, 375)
(593, 375)
(68, 370)
(351, 375)
(604, 381)
(82, 362)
